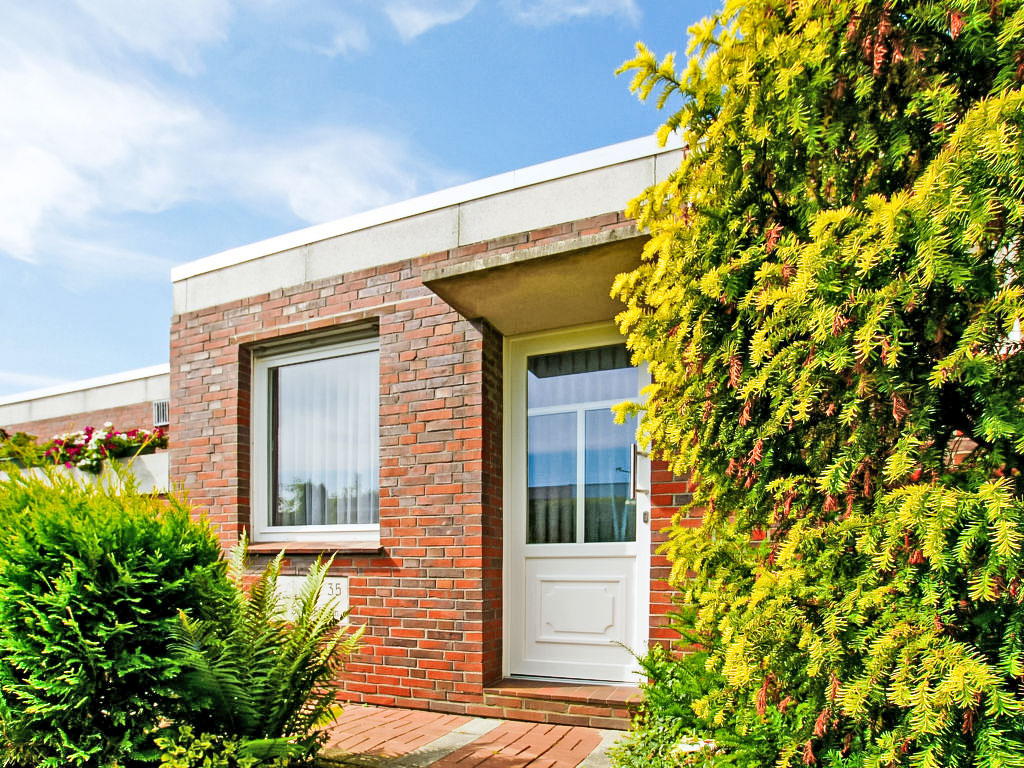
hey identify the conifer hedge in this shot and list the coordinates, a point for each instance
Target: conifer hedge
(830, 306)
(91, 583)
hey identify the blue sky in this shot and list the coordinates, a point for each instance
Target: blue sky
(139, 135)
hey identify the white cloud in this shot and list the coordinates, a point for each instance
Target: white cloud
(89, 135)
(74, 143)
(88, 263)
(411, 18)
(174, 32)
(35, 184)
(548, 12)
(350, 36)
(91, 132)
(326, 175)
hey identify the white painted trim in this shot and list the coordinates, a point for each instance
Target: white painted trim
(514, 411)
(603, 157)
(164, 369)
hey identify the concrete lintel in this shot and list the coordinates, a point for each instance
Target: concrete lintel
(571, 189)
(523, 255)
(153, 371)
(553, 285)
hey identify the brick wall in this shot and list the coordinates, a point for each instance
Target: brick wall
(492, 524)
(431, 601)
(668, 494)
(124, 417)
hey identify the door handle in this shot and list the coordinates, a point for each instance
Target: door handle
(634, 454)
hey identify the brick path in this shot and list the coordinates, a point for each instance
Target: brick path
(381, 737)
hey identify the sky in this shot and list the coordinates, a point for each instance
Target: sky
(136, 135)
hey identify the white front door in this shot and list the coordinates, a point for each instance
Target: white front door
(576, 509)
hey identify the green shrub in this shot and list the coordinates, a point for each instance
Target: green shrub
(666, 718)
(261, 674)
(830, 306)
(91, 583)
(187, 750)
(21, 448)
(674, 727)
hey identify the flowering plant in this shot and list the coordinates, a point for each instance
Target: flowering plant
(87, 449)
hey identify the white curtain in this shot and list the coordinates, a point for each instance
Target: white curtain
(325, 438)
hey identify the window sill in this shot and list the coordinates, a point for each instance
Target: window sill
(316, 547)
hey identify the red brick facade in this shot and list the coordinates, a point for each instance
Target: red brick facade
(668, 494)
(431, 599)
(137, 415)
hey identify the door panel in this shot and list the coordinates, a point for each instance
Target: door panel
(578, 617)
(580, 610)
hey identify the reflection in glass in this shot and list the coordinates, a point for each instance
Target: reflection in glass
(609, 514)
(324, 429)
(551, 481)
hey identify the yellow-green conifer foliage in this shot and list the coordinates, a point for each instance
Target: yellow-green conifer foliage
(830, 305)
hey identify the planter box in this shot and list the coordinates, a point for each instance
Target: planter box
(150, 470)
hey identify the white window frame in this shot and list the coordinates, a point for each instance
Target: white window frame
(260, 451)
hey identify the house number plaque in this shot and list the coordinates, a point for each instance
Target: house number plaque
(335, 588)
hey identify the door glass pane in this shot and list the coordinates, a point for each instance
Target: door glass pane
(551, 479)
(580, 376)
(609, 514)
(579, 473)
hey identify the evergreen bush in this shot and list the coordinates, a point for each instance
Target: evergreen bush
(21, 448)
(830, 305)
(91, 583)
(182, 748)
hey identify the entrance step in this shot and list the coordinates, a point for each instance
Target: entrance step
(595, 706)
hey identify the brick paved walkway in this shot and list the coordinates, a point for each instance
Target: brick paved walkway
(382, 737)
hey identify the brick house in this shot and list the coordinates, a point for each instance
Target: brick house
(422, 392)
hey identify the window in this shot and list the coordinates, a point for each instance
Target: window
(315, 443)
(579, 465)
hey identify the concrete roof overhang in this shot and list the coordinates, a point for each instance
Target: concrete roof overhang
(553, 285)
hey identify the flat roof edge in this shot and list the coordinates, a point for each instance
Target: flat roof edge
(163, 369)
(581, 162)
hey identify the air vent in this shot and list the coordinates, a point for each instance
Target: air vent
(161, 413)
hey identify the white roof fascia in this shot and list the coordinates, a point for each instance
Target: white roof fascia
(474, 190)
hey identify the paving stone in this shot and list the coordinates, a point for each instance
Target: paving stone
(381, 737)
